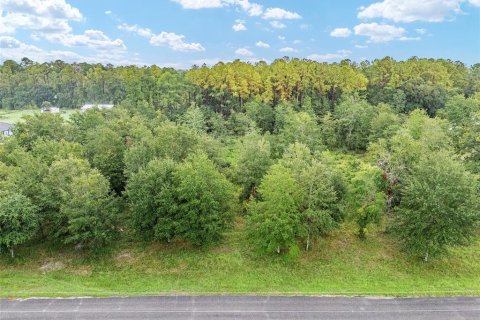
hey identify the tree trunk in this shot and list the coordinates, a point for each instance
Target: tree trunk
(308, 242)
(278, 249)
(426, 257)
(361, 233)
(12, 253)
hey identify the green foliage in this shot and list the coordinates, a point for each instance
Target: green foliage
(190, 201)
(262, 114)
(18, 220)
(91, 210)
(173, 136)
(151, 198)
(464, 115)
(170, 141)
(48, 151)
(42, 125)
(204, 205)
(194, 119)
(105, 149)
(275, 220)
(353, 124)
(321, 202)
(56, 189)
(298, 127)
(297, 157)
(253, 162)
(439, 207)
(366, 198)
(385, 123)
(419, 135)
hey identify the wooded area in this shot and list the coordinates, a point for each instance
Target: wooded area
(296, 147)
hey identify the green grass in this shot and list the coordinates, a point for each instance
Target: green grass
(14, 116)
(338, 265)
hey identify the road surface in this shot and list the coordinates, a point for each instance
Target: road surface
(246, 307)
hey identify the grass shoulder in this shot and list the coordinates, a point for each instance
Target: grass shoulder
(340, 264)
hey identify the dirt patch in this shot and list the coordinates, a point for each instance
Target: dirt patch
(124, 258)
(51, 266)
(83, 271)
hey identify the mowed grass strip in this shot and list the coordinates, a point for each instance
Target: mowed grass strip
(338, 265)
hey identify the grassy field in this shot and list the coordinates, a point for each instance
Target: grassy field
(338, 265)
(14, 116)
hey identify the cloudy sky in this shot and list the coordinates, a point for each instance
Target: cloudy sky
(180, 33)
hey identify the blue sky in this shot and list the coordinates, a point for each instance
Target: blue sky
(180, 33)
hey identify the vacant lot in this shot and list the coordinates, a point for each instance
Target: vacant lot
(338, 265)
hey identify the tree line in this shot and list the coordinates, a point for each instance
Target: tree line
(296, 147)
(405, 85)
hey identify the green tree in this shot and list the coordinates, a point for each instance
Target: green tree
(297, 127)
(42, 125)
(321, 202)
(91, 210)
(194, 119)
(353, 124)
(56, 188)
(439, 207)
(152, 202)
(262, 114)
(275, 220)
(366, 198)
(18, 220)
(384, 124)
(253, 162)
(204, 200)
(105, 149)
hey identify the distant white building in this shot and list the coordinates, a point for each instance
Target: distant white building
(6, 129)
(98, 106)
(51, 109)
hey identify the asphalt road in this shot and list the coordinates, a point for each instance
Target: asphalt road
(245, 307)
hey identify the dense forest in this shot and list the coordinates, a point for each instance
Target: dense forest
(295, 148)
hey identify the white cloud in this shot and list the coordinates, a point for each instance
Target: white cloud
(409, 38)
(252, 9)
(41, 16)
(413, 10)
(55, 9)
(281, 38)
(280, 14)
(359, 46)
(475, 3)
(175, 42)
(422, 31)
(143, 32)
(8, 42)
(239, 25)
(277, 25)
(108, 12)
(244, 52)
(297, 41)
(379, 32)
(341, 33)
(49, 19)
(94, 39)
(172, 40)
(262, 44)
(340, 54)
(200, 4)
(287, 49)
(14, 49)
